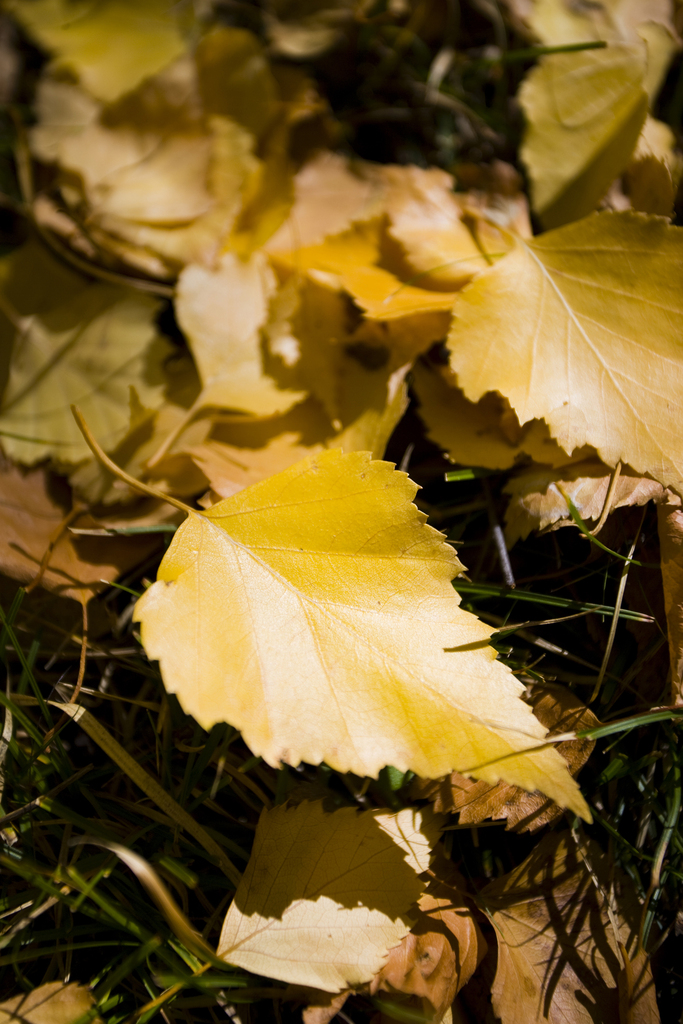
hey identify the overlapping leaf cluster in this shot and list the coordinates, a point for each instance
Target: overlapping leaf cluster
(237, 307)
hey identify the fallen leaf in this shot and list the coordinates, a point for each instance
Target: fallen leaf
(560, 22)
(584, 113)
(611, 373)
(335, 887)
(330, 193)
(72, 342)
(560, 711)
(343, 641)
(425, 218)
(440, 953)
(54, 1003)
(246, 451)
(557, 955)
(383, 296)
(670, 528)
(484, 433)
(112, 46)
(222, 312)
(34, 505)
(654, 173)
(305, 29)
(235, 80)
(537, 501)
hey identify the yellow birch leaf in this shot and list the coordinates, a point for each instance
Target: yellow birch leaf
(247, 450)
(314, 612)
(222, 312)
(326, 895)
(425, 219)
(383, 296)
(330, 192)
(559, 22)
(112, 46)
(84, 345)
(581, 327)
(54, 1003)
(584, 114)
(479, 433)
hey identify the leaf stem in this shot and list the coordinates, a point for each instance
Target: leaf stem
(94, 447)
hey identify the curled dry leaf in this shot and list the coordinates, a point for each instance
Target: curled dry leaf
(557, 953)
(54, 1003)
(72, 342)
(559, 710)
(33, 509)
(652, 177)
(333, 889)
(584, 114)
(111, 47)
(536, 501)
(670, 528)
(607, 325)
(336, 635)
(440, 953)
(484, 433)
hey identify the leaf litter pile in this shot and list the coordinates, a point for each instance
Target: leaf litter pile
(340, 490)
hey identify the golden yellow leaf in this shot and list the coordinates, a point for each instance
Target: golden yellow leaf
(247, 450)
(330, 192)
(222, 312)
(584, 113)
(560, 711)
(559, 22)
(326, 894)
(425, 218)
(333, 634)
(571, 330)
(484, 433)
(383, 296)
(72, 342)
(670, 528)
(557, 953)
(111, 46)
(234, 78)
(54, 1003)
(536, 501)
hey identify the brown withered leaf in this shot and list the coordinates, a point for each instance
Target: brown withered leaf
(33, 507)
(559, 710)
(537, 503)
(670, 528)
(557, 954)
(439, 955)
